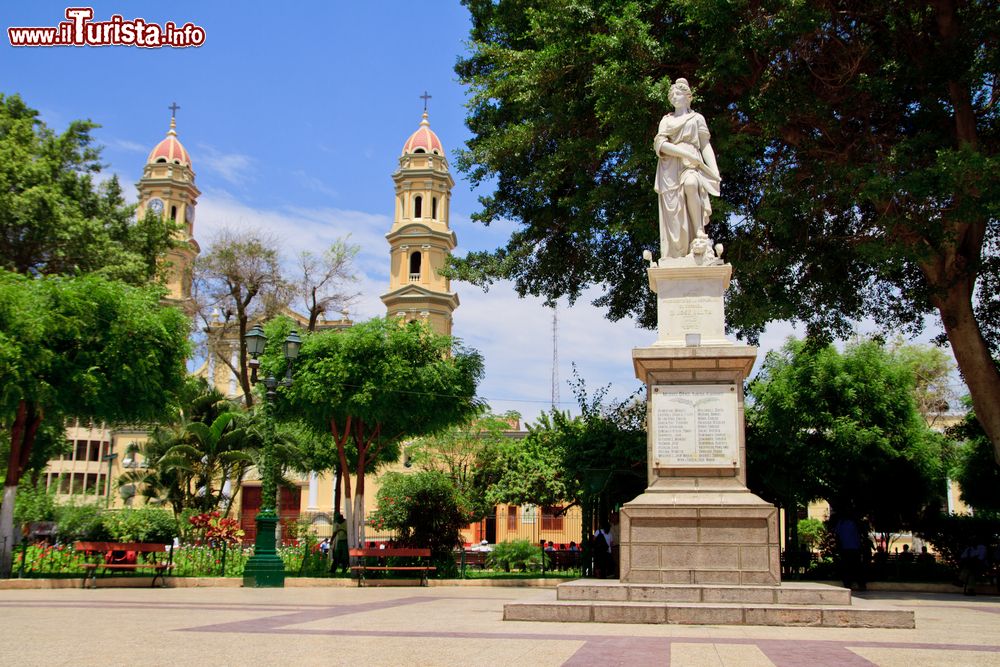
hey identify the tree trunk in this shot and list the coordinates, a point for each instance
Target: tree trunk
(338, 477)
(27, 419)
(7, 530)
(359, 517)
(973, 358)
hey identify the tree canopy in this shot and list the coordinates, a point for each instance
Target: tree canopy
(843, 427)
(372, 386)
(82, 347)
(857, 143)
(54, 219)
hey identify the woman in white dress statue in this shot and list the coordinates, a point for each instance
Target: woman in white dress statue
(686, 174)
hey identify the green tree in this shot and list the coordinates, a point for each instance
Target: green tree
(209, 455)
(470, 454)
(373, 386)
(80, 347)
(843, 427)
(54, 219)
(596, 460)
(976, 472)
(857, 143)
(165, 484)
(425, 510)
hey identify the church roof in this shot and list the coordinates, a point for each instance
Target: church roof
(423, 140)
(170, 149)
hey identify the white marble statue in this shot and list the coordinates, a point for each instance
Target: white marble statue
(685, 177)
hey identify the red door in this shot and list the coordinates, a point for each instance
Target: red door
(288, 509)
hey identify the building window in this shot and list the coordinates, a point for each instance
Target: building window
(415, 258)
(434, 207)
(418, 202)
(552, 519)
(173, 213)
(511, 517)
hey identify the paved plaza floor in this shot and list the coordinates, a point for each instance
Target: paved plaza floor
(445, 625)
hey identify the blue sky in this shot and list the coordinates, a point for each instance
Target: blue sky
(294, 119)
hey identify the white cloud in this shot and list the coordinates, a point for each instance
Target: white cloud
(315, 184)
(129, 146)
(233, 167)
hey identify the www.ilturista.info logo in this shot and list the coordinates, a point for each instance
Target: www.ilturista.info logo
(80, 30)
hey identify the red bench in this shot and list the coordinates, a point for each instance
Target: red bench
(124, 556)
(364, 554)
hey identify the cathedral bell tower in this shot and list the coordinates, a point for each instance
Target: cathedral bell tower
(420, 239)
(167, 189)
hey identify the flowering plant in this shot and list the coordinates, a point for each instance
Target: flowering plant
(215, 529)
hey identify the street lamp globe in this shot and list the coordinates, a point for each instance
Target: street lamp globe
(292, 345)
(255, 340)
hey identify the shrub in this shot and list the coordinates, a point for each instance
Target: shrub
(424, 510)
(79, 522)
(811, 533)
(141, 524)
(33, 502)
(519, 554)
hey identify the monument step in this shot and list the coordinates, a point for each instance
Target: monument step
(796, 593)
(682, 613)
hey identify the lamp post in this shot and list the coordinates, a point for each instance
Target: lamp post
(265, 568)
(107, 496)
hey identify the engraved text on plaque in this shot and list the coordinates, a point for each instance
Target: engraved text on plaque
(695, 426)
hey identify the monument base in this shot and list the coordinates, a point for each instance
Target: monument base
(699, 536)
(790, 604)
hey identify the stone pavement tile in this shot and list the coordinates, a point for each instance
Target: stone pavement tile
(737, 655)
(694, 655)
(902, 657)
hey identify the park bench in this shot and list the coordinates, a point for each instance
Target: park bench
(113, 556)
(470, 559)
(362, 568)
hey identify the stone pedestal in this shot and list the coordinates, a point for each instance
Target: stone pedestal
(697, 523)
(265, 569)
(697, 546)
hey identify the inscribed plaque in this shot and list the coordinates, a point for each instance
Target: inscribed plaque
(695, 426)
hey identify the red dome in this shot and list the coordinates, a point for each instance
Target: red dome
(170, 149)
(423, 140)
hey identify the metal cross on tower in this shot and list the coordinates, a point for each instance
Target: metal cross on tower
(425, 97)
(173, 109)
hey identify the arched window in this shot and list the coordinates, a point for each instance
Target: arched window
(173, 213)
(434, 207)
(415, 265)
(417, 206)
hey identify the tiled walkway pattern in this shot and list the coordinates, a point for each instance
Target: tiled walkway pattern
(444, 626)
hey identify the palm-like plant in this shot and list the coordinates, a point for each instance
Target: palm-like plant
(252, 430)
(209, 455)
(157, 485)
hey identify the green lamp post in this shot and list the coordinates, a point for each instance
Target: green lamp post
(265, 568)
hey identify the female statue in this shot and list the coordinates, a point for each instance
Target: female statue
(686, 174)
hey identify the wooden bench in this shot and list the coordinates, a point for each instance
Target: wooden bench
(470, 559)
(363, 568)
(116, 556)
